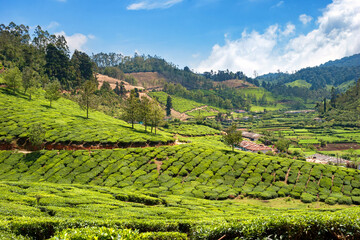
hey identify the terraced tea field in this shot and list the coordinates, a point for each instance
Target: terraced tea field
(187, 106)
(191, 130)
(188, 170)
(42, 210)
(65, 123)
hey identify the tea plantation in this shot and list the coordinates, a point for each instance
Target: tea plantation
(197, 190)
(64, 123)
(62, 211)
(188, 170)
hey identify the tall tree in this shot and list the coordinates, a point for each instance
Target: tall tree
(145, 111)
(13, 78)
(58, 65)
(168, 105)
(86, 100)
(333, 98)
(157, 114)
(83, 67)
(232, 136)
(52, 91)
(105, 87)
(131, 109)
(30, 80)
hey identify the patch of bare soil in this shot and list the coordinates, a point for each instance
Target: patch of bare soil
(179, 115)
(149, 80)
(236, 83)
(198, 108)
(112, 81)
(338, 146)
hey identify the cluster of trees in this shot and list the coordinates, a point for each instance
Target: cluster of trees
(342, 108)
(42, 58)
(142, 110)
(142, 63)
(306, 94)
(221, 76)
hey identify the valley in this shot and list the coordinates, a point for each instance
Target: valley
(119, 147)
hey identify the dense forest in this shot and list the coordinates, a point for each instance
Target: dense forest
(331, 73)
(342, 108)
(45, 56)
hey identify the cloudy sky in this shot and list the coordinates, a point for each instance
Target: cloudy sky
(239, 35)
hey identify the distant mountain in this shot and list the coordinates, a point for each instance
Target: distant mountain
(352, 61)
(332, 73)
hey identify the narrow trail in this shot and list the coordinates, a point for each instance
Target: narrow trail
(25, 147)
(197, 108)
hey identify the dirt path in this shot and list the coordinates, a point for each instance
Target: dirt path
(179, 115)
(25, 147)
(195, 109)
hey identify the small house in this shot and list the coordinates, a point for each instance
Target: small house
(253, 147)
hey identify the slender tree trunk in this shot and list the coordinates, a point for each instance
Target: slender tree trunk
(145, 120)
(87, 109)
(155, 126)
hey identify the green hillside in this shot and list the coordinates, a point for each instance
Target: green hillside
(299, 83)
(188, 170)
(65, 122)
(187, 106)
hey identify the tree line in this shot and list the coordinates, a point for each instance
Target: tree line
(42, 58)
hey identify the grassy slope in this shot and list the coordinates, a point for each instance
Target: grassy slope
(65, 121)
(299, 83)
(189, 170)
(185, 105)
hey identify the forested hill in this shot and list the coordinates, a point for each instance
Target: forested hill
(331, 73)
(111, 63)
(352, 61)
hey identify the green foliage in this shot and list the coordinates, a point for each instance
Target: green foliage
(233, 136)
(52, 91)
(86, 100)
(36, 134)
(99, 233)
(12, 78)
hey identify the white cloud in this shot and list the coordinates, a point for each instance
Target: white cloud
(290, 28)
(337, 35)
(305, 19)
(279, 4)
(152, 4)
(52, 25)
(76, 41)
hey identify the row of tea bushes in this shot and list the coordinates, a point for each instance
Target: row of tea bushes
(50, 210)
(188, 170)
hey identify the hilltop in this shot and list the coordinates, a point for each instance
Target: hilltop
(333, 73)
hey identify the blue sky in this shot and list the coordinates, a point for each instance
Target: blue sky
(240, 35)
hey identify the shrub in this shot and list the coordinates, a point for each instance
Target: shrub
(308, 198)
(102, 233)
(355, 192)
(325, 182)
(345, 200)
(355, 199)
(331, 200)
